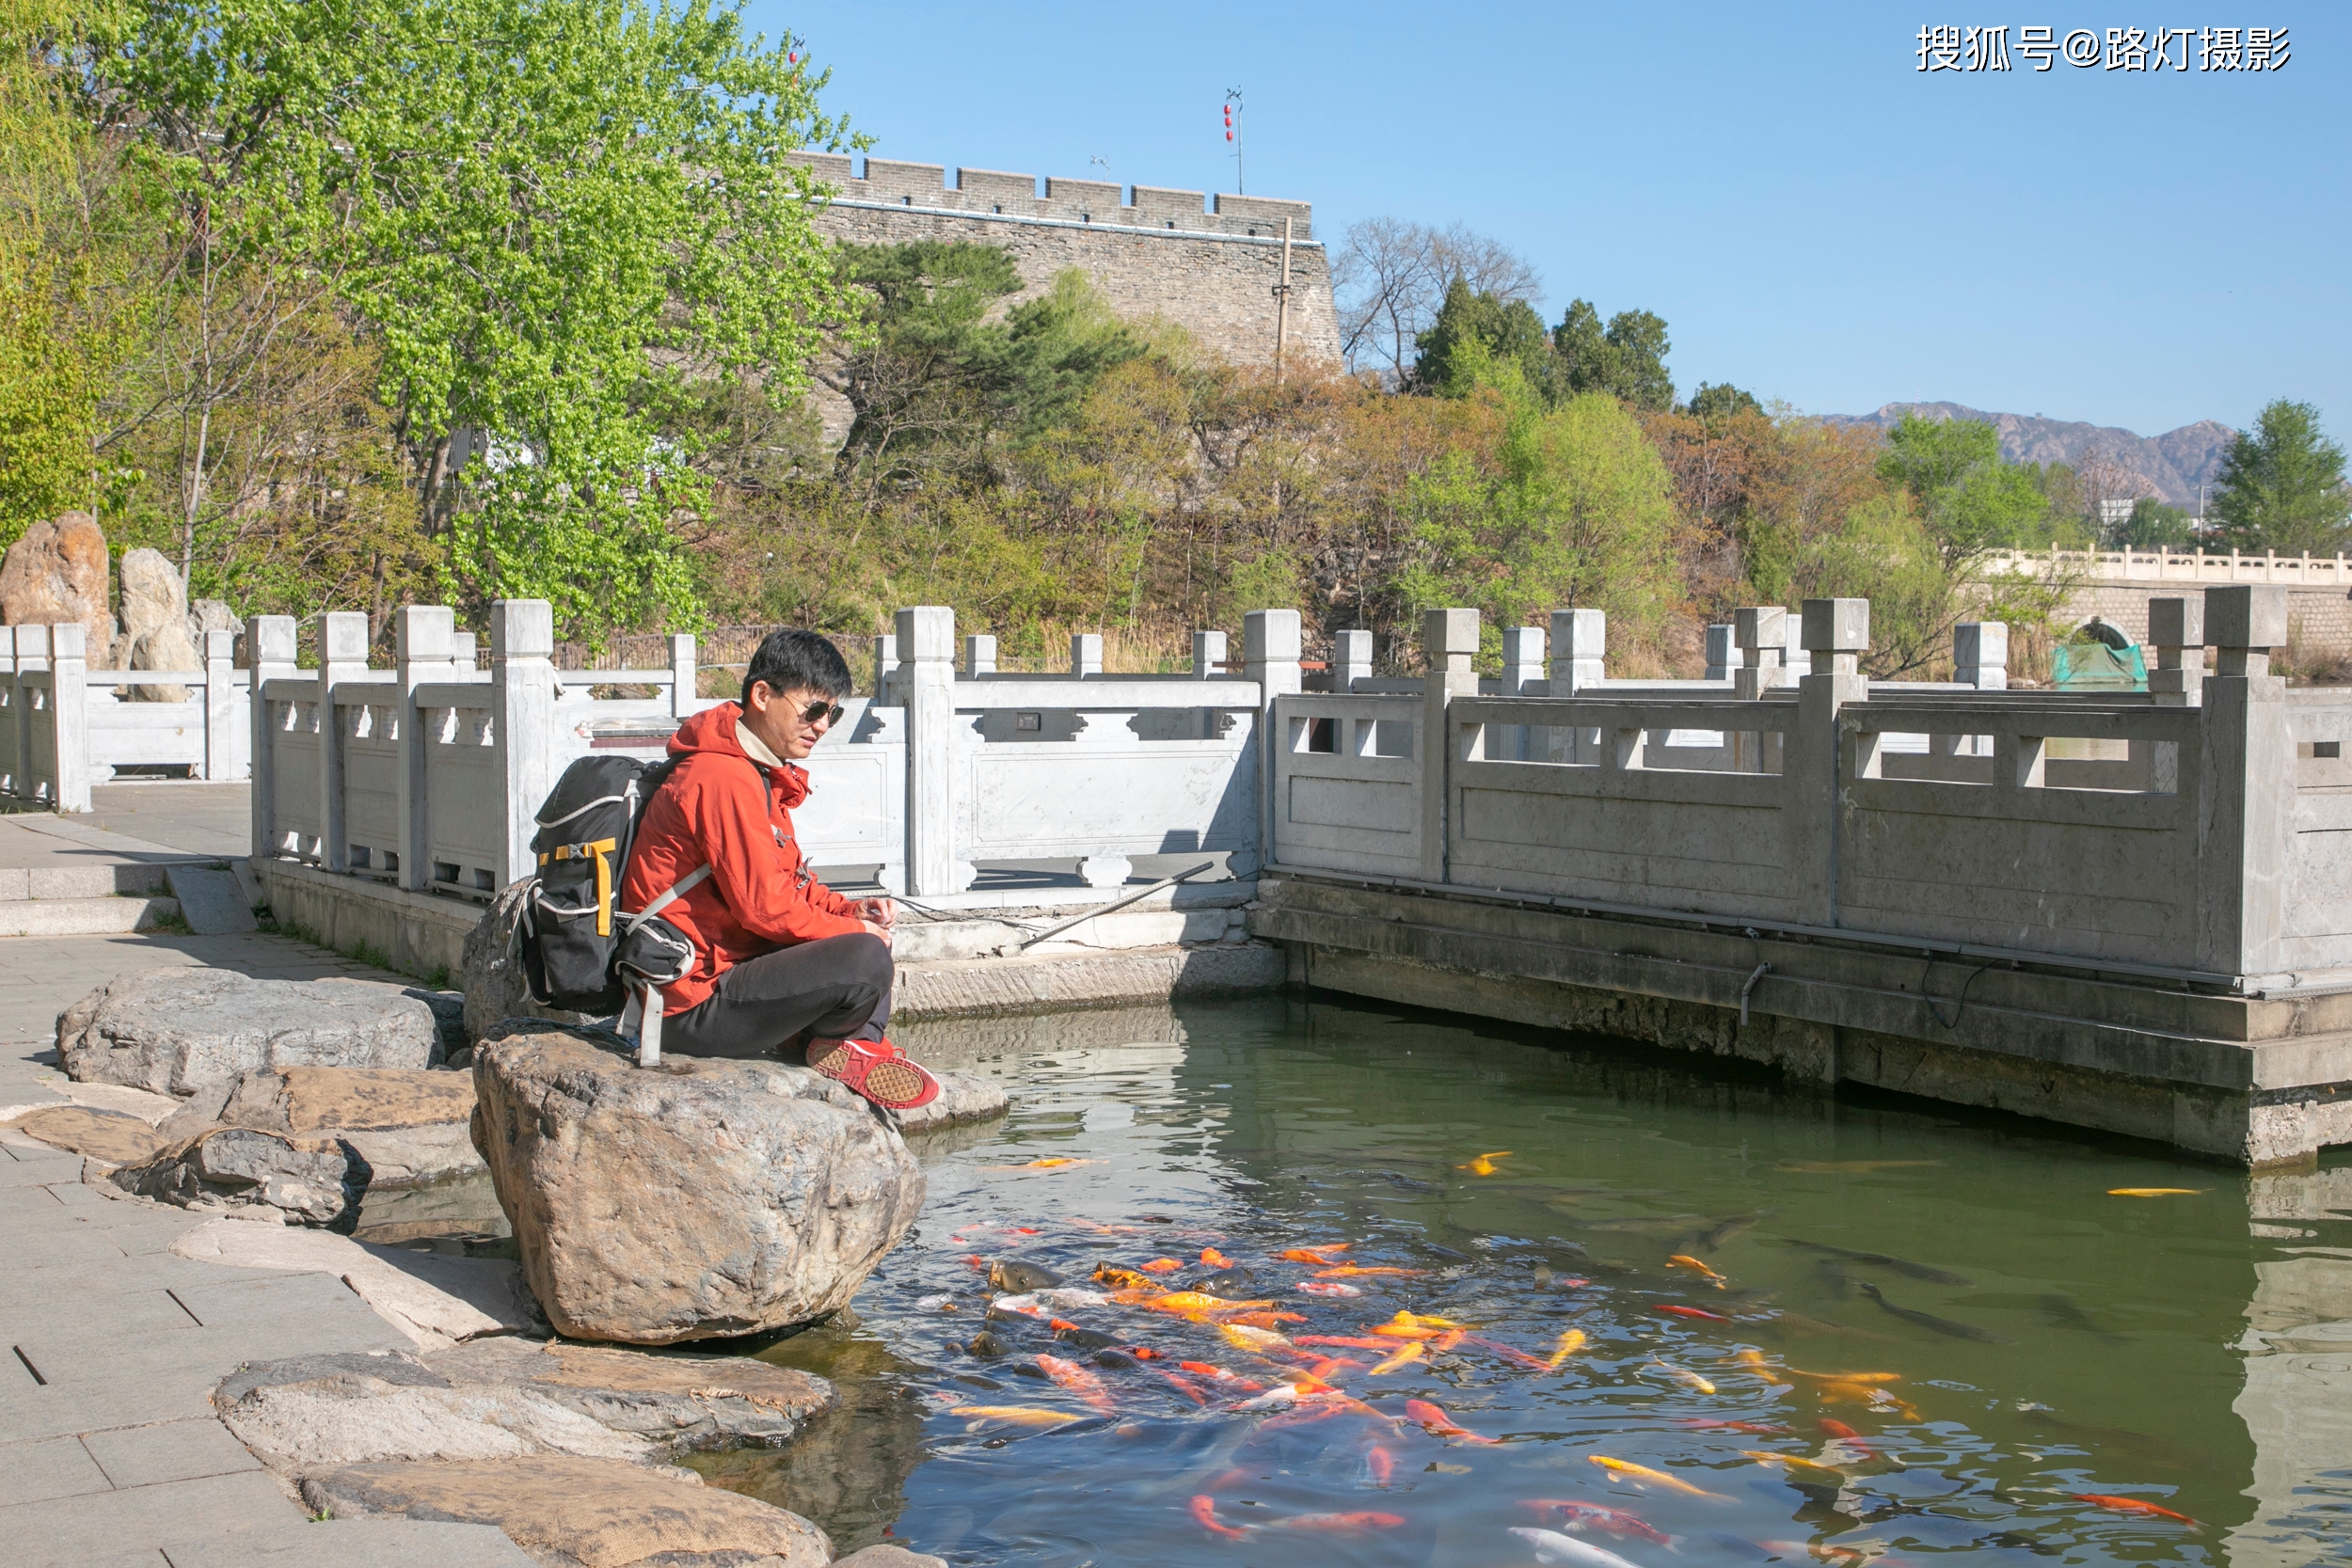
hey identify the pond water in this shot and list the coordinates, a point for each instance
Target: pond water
(1811, 1329)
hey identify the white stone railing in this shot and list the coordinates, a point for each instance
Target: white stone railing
(2191, 829)
(63, 727)
(2194, 567)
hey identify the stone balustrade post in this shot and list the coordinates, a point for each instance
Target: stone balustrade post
(421, 635)
(522, 715)
(1271, 641)
(684, 674)
(926, 639)
(12, 717)
(1724, 655)
(1351, 660)
(68, 690)
(32, 658)
(465, 657)
(221, 738)
(1981, 655)
(1834, 633)
(1762, 633)
(1207, 655)
(2176, 629)
(2247, 800)
(886, 671)
(1449, 643)
(343, 644)
(269, 655)
(1523, 663)
(980, 655)
(1579, 641)
(1086, 655)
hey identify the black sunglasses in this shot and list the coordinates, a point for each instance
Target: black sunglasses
(822, 712)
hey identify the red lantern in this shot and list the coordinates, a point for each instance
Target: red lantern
(1229, 135)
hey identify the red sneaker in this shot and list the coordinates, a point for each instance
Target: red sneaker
(882, 1072)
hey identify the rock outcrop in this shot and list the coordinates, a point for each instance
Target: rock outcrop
(57, 572)
(505, 1398)
(174, 1031)
(154, 619)
(571, 1513)
(706, 1200)
(307, 1180)
(963, 1097)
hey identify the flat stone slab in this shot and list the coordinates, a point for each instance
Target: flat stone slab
(173, 1031)
(706, 1200)
(437, 1301)
(114, 1136)
(574, 1512)
(963, 1097)
(211, 900)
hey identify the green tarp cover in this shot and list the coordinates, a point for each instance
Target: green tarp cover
(2096, 667)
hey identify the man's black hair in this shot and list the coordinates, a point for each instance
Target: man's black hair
(799, 661)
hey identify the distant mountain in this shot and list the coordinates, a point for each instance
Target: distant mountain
(2169, 466)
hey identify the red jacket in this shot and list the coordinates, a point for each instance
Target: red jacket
(719, 808)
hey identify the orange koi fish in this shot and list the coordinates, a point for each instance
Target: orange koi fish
(1570, 1342)
(1626, 1468)
(1352, 1271)
(1053, 1163)
(1448, 1339)
(1405, 1355)
(1162, 1265)
(1214, 1259)
(1218, 1374)
(1380, 1465)
(1183, 1385)
(1839, 1429)
(1432, 1419)
(1862, 1393)
(1204, 1515)
(1692, 1312)
(2154, 1192)
(1260, 1320)
(1124, 1279)
(1684, 1260)
(2133, 1505)
(1314, 1254)
(1352, 1343)
(1326, 1288)
(1080, 1381)
(1760, 1429)
(1245, 1337)
(1413, 1325)
(1339, 1521)
(1516, 1357)
(1753, 1359)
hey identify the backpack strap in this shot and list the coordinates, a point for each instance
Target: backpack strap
(679, 889)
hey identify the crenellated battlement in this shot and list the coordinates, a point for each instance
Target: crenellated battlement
(981, 192)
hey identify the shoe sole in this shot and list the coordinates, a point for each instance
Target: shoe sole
(895, 1085)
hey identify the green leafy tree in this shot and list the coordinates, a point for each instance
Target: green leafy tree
(2153, 522)
(553, 216)
(1969, 498)
(2281, 484)
(1708, 402)
(1474, 333)
(1626, 359)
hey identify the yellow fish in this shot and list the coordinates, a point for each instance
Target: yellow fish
(1485, 1165)
(1794, 1463)
(1684, 1260)
(1242, 1337)
(1755, 1360)
(1405, 1354)
(1019, 1414)
(1570, 1342)
(1051, 1162)
(2153, 1192)
(1683, 1376)
(1413, 1325)
(1642, 1472)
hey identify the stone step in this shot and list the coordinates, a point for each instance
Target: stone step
(83, 916)
(103, 880)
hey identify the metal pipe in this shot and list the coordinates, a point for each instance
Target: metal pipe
(1120, 904)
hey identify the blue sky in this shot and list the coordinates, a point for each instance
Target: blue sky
(1817, 220)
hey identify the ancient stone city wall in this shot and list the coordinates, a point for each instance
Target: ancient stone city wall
(1210, 268)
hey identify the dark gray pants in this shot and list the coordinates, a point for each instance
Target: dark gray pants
(837, 988)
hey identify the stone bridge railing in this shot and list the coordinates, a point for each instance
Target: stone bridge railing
(64, 726)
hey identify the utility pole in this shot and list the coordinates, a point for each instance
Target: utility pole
(1282, 302)
(1232, 133)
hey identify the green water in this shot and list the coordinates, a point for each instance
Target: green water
(2109, 1350)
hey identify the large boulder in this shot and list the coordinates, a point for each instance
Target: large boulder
(176, 1030)
(573, 1513)
(155, 623)
(57, 572)
(491, 971)
(705, 1199)
(306, 1181)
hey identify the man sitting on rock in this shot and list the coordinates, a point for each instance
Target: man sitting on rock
(781, 960)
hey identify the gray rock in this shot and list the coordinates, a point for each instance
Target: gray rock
(449, 1016)
(491, 973)
(210, 615)
(886, 1556)
(155, 622)
(504, 1398)
(578, 1512)
(175, 1030)
(308, 1181)
(963, 1097)
(709, 1198)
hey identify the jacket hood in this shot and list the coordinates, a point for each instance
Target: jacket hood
(712, 730)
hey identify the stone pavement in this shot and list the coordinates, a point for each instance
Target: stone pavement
(110, 1453)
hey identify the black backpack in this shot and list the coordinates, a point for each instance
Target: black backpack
(575, 940)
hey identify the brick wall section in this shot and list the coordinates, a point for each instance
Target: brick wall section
(2321, 617)
(1169, 253)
